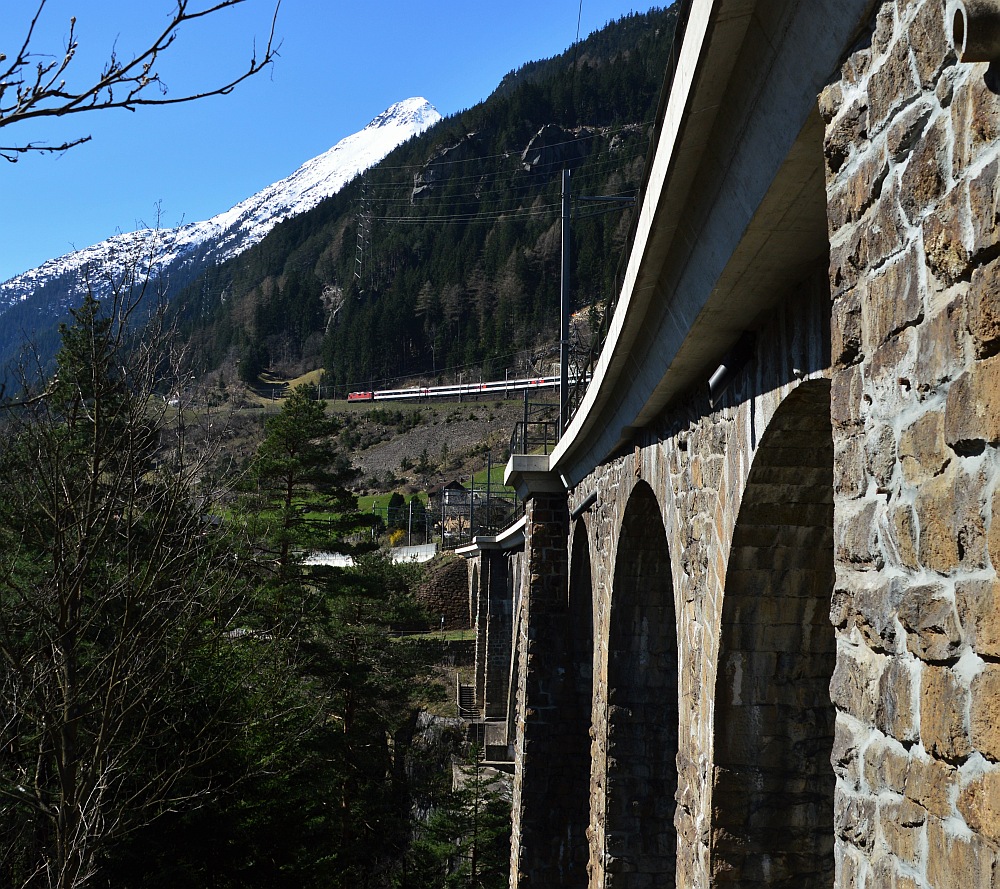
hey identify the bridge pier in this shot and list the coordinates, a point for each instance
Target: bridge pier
(549, 844)
(496, 631)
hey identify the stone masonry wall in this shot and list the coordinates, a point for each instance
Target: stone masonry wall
(912, 154)
(444, 592)
(696, 465)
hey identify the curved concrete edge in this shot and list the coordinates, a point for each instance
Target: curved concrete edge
(695, 277)
(511, 538)
(694, 44)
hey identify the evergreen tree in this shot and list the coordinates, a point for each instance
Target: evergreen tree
(465, 843)
(300, 485)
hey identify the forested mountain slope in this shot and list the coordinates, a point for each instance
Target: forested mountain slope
(447, 252)
(33, 303)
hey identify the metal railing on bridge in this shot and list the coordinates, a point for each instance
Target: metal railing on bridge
(538, 429)
(484, 507)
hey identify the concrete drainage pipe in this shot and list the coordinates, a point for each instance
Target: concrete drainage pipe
(975, 29)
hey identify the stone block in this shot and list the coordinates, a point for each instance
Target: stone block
(880, 455)
(849, 479)
(984, 210)
(956, 861)
(856, 533)
(894, 713)
(855, 681)
(906, 129)
(975, 115)
(931, 783)
(858, 249)
(831, 100)
(847, 390)
(850, 867)
(885, 25)
(940, 346)
(844, 754)
(855, 819)
(874, 606)
(864, 184)
(946, 242)
(928, 614)
(892, 362)
(845, 328)
(925, 175)
(856, 66)
(985, 712)
(979, 804)
(928, 37)
(993, 535)
(952, 531)
(886, 766)
(841, 606)
(984, 309)
(904, 528)
(848, 130)
(978, 603)
(944, 91)
(972, 413)
(902, 823)
(922, 450)
(844, 271)
(944, 703)
(891, 84)
(885, 234)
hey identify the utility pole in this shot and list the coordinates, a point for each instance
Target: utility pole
(363, 247)
(564, 307)
(489, 491)
(564, 300)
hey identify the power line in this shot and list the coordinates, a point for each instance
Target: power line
(596, 133)
(493, 187)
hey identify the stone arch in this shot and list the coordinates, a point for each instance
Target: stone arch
(642, 707)
(773, 785)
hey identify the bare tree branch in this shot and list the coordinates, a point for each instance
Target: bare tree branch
(34, 86)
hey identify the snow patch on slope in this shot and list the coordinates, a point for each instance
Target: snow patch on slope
(230, 233)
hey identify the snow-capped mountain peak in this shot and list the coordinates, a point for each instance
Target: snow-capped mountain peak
(233, 231)
(417, 112)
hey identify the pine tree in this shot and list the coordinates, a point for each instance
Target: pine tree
(300, 483)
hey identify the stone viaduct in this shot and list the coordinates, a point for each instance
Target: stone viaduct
(749, 633)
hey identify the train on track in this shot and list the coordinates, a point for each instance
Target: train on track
(499, 388)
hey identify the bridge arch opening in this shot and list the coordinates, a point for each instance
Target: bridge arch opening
(773, 785)
(641, 782)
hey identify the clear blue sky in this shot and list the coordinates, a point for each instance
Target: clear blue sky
(342, 63)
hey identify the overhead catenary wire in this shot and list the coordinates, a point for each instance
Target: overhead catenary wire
(492, 177)
(456, 211)
(498, 189)
(596, 133)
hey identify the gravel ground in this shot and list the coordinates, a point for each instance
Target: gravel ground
(454, 436)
